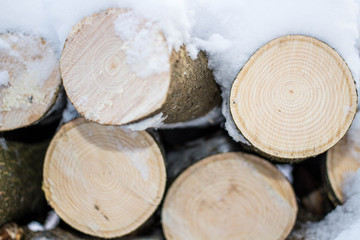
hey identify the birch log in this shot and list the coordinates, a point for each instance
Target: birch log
(229, 196)
(29, 80)
(103, 180)
(294, 98)
(117, 68)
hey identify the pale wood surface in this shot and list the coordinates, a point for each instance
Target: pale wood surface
(28, 96)
(106, 86)
(294, 98)
(103, 180)
(229, 196)
(99, 81)
(341, 160)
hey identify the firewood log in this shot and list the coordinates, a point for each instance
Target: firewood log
(295, 98)
(103, 180)
(118, 68)
(229, 196)
(30, 84)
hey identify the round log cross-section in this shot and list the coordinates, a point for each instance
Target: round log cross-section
(29, 80)
(102, 180)
(229, 196)
(294, 98)
(117, 69)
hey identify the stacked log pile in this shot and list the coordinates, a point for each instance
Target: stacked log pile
(294, 99)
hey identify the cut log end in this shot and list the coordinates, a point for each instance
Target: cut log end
(102, 66)
(29, 80)
(302, 98)
(229, 196)
(117, 69)
(342, 159)
(102, 180)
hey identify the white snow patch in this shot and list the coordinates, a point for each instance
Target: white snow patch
(3, 143)
(52, 221)
(35, 62)
(4, 78)
(69, 113)
(286, 169)
(139, 34)
(4, 45)
(211, 118)
(343, 223)
(35, 226)
(153, 122)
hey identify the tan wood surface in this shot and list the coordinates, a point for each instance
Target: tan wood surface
(33, 87)
(294, 98)
(102, 180)
(229, 196)
(106, 84)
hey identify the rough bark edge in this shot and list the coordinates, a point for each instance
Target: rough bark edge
(22, 163)
(198, 90)
(278, 159)
(335, 200)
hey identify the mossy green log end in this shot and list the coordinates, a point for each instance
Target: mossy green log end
(20, 178)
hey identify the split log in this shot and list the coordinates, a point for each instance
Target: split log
(20, 178)
(295, 98)
(229, 196)
(117, 69)
(103, 180)
(29, 80)
(341, 160)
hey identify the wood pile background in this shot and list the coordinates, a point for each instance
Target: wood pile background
(293, 101)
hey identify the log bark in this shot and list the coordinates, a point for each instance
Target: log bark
(12, 231)
(103, 180)
(20, 178)
(118, 76)
(295, 98)
(341, 160)
(30, 86)
(227, 196)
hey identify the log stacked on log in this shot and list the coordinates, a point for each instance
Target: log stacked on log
(103, 180)
(30, 80)
(295, 98)
(117, 69)
(229, 196)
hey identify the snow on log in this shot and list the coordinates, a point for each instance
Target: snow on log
(294, 98)
(117, 68)
(29, 80)
(20, 178)
(342, 160)
(228, 196)
(103, 180)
